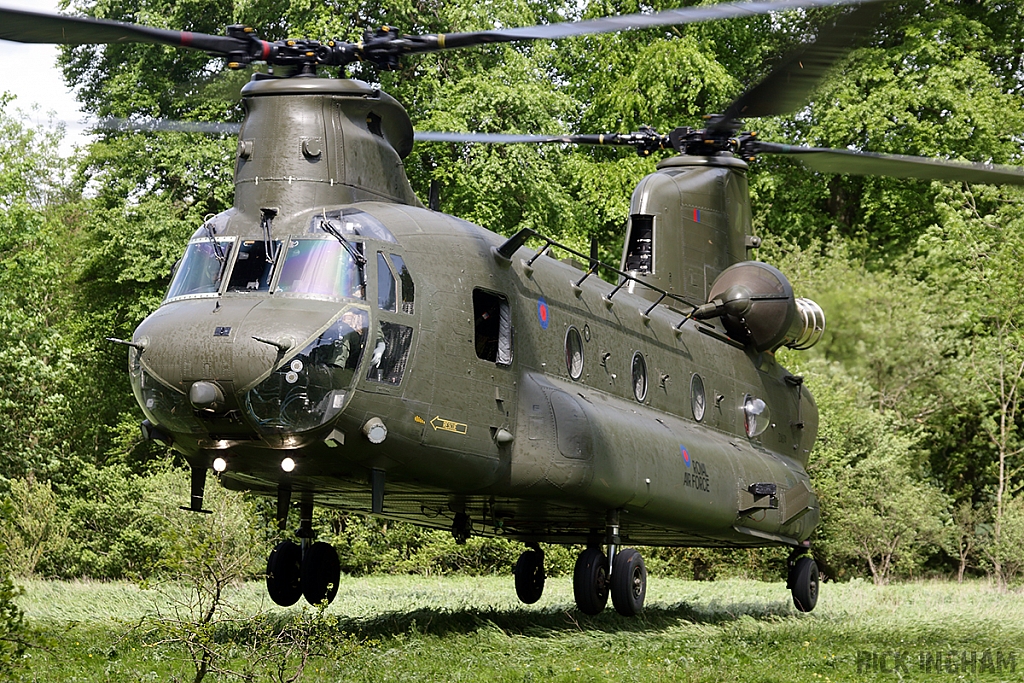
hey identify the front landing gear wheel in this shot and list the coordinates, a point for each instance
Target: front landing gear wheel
(284, 573)
(590, 581)
(803, 581)
(529, 573)
(629, 582)
(321, 572)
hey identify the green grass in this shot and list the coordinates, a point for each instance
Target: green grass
(409, 628)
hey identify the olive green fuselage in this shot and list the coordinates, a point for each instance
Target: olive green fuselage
(506, 391)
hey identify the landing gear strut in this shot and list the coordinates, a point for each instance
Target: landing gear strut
(624, 577)
(803, 579)
(311, 570)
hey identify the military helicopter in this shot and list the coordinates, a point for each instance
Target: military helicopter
(330, 340)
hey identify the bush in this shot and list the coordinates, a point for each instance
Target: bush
(110, 535)
(32, 528)
(16, 636)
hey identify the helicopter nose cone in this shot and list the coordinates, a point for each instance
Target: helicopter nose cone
(206, 396)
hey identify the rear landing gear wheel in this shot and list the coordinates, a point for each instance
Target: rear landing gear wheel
(590, 581)
(284, 573)
(529, 573)
(629, 582)
(803, 581)
(321, 572)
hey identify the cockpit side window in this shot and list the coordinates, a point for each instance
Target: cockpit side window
(386, 294)
(253, 268)
(405, 278)
(202, 268)
(493, 327)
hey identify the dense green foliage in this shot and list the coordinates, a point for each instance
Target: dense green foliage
(919, 462)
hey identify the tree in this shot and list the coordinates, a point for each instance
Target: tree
(877, 510)
(37, 357)
(983, 248)
(925, 85)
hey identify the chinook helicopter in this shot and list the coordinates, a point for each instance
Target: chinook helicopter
(330, 340)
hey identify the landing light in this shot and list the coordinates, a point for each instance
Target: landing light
(287, 464)
(219, 465)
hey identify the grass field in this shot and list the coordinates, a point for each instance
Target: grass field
(409, 628)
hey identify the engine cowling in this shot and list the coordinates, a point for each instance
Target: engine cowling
(758, 308)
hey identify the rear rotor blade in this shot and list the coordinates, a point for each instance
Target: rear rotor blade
(489, 138)
(789, 85)
(645, 141)
(26, 26)
(845, 161)
(511, 139)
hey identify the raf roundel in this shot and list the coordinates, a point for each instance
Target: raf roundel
(542, 313)
(685, 453)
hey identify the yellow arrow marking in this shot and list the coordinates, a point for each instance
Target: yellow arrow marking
(419, 420)
(448, 425)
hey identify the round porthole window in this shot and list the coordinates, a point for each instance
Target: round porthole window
(697, 400)
(574, 353)
(639, 376)
(756, 416)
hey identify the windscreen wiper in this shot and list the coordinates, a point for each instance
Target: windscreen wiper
(327, 227)
(218, 250)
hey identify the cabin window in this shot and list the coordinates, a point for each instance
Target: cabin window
(698, 402)
(405, 279)
(253, 267)
(493, 327)
(202, 267)
(574, 353)
(639, 377)
(385, 285)
(640, 253)
(390, 353)
(322, 268)
(756, 416)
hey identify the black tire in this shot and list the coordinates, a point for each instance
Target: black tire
(590, 581)
(321, 572)
(629, 582)
(284, 572)
(804, 583)
(529, 573)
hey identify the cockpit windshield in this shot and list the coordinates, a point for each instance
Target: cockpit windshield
(201, 268)
(323, 268)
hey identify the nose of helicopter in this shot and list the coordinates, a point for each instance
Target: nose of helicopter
(210, 349)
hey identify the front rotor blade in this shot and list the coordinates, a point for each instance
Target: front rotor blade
(26, 26)
(789, 85)
(676, 17)
(165, 125)
(847, 161)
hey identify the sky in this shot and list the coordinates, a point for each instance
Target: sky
(29, 72)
